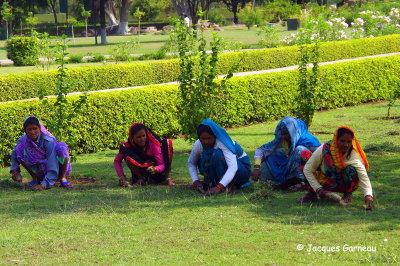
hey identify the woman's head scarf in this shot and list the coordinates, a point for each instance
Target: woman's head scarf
(338, 156)
(298, 132)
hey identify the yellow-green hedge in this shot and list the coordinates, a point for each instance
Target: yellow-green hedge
(107, 116)
(27, 85)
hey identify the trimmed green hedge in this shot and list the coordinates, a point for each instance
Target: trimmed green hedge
(27, 85)
(106, 118)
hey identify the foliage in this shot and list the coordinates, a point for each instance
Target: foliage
(63, 122)
(150, 9)
(251, 17)
(395, 94)
(96, 58)
(23, 50)
(46, 50)
(309, 81)
(123, 50)
(75, 59)
(26, 85)
(198, 90)
(217, 18)
(276, 11)
(31, 20)
(6, 14)
(246, 100)
(270, 37)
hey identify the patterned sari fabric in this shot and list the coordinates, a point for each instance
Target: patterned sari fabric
(34, 158)
(137, 157)
(338, 177)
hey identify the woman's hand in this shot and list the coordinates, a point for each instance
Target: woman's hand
(255, 175)
(198, 185)
(216, 190)
(16, 176)
(39, 187)
(151, 169)
(369, 202)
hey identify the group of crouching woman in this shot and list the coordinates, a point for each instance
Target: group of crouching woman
(294, 160)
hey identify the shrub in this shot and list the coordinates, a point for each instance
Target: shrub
(75, 58)
(244, 100)
(27, 85)
(23, 50)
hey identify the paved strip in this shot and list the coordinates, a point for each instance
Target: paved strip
(239, 74)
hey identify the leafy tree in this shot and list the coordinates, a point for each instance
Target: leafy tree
(86, 14)
(31, 20)
(73, 22)
(139, 14)
(6, 14)
(234, 6)
(149, 7)
(191, 8)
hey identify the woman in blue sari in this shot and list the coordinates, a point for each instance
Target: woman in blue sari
(221, 161)
(281, 161)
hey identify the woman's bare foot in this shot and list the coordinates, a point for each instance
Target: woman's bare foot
(347, 197)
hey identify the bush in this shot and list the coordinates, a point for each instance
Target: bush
(245, 100)
(75, 59)
(97, 58)
(218, 19)
(27, 85)
(23, 50)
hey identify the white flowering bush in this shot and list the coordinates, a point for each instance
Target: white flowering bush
(367, 24)
(375, 23)
(319, 29)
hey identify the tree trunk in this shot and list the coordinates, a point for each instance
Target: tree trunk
(123, 17)
(109, 10)
(54, 10)
(235, 12)
(103, 32)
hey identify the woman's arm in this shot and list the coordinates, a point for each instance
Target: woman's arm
(193, 160)
(156, 150)
(365, 183)
(118, 164)
(231, 161)
(313, 164)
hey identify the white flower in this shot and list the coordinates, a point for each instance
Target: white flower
(329, 23)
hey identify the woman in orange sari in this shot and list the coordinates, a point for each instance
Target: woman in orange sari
(339, 165)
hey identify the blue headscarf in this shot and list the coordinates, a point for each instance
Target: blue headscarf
(298, 132)
(223, 137)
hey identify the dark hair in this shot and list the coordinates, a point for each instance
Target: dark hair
(203, 128)
(32, 120)
(135, 129)
(341, 131)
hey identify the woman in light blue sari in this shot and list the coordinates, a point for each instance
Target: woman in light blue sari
(281, 161)
(221, 161)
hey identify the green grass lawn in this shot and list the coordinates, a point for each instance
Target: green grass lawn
(101, 223)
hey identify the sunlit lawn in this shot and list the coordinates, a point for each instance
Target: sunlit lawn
(101, 223)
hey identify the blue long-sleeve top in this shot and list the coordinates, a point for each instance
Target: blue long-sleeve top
(47, 144)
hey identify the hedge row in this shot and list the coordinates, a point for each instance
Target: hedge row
(107, 116)
(27, 85)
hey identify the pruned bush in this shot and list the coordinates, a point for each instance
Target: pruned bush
(24, 51)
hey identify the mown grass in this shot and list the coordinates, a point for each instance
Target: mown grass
(101, 223)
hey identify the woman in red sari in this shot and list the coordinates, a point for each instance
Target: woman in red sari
(147, 156)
